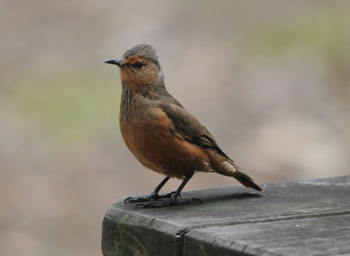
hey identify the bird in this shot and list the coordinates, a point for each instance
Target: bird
(161, 133)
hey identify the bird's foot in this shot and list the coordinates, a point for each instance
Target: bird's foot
(169, 203)
(151, 197)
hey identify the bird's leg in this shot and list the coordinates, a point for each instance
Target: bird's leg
(173, 199)
(153, 196)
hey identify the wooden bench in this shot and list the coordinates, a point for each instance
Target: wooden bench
(307, 217)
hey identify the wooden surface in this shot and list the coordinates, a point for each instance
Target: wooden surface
(310, 217)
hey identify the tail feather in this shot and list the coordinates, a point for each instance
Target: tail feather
(246, 180)
(229, 168)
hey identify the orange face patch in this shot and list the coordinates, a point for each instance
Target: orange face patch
(133, 77)
(133, 60)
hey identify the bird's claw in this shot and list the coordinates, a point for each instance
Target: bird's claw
(135, 199)
(151, 197)
(169, 203)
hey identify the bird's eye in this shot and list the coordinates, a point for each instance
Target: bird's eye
(138, 65)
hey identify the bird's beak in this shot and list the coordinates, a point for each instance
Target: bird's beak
(118, 62)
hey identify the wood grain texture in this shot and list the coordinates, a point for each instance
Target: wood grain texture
(293, 218)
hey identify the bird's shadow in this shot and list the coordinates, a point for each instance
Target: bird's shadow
(231, 196)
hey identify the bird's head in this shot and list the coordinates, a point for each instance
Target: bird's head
(139, 67)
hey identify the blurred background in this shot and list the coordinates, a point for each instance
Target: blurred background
(269, 79)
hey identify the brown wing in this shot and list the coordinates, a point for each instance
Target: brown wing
(190, 128)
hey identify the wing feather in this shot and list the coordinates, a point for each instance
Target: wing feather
(188, 127)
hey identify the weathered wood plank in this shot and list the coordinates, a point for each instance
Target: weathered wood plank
(307, 236)
(178, 230)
